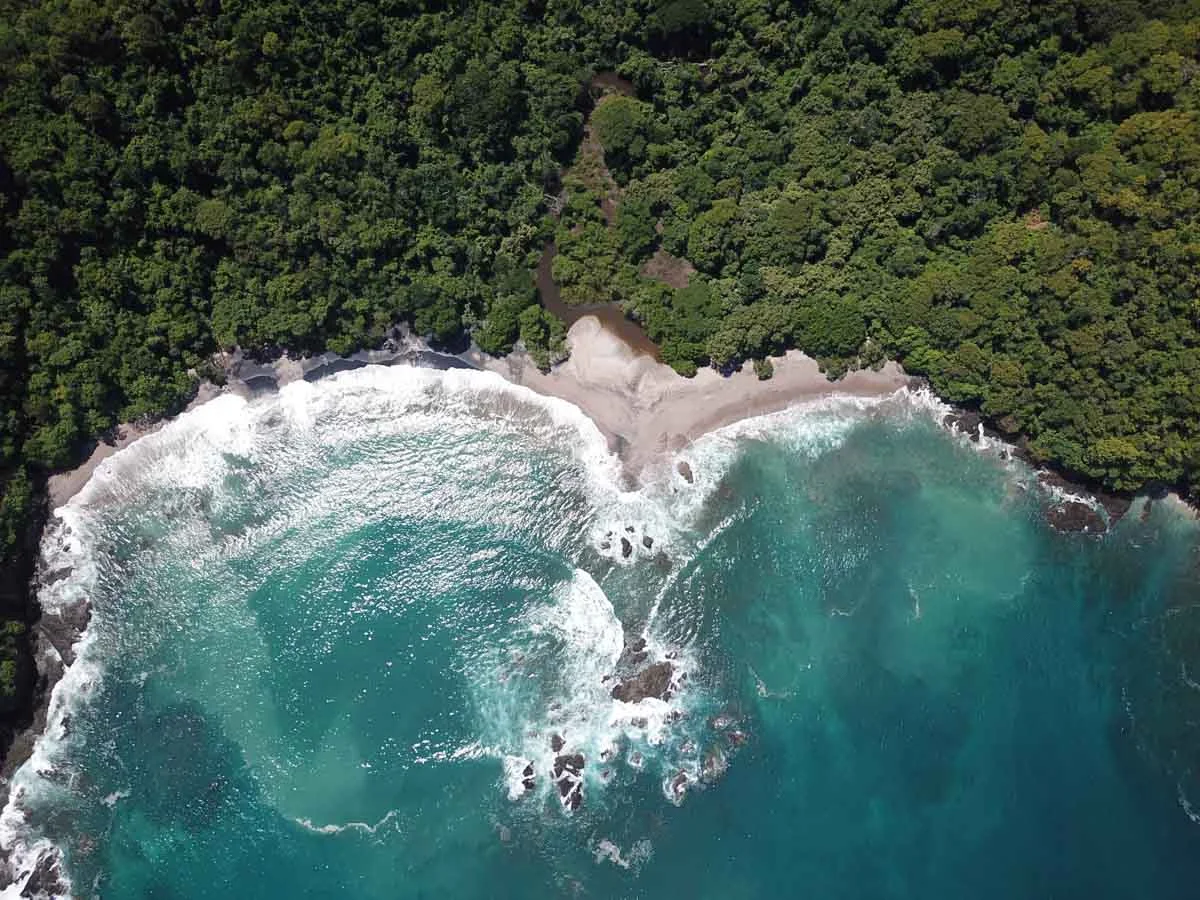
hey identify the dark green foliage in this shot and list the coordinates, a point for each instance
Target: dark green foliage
(1004, 196)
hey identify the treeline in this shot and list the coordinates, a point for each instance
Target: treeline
(1004, 196)
(1001, 194)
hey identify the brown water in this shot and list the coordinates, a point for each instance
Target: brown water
(611, 316)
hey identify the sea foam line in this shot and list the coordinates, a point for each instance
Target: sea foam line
(190, 451)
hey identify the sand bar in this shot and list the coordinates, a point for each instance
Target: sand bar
(645, 409)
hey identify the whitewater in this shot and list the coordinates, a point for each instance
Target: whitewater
(388, 633)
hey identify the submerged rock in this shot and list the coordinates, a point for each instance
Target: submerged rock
(647, 541)
(556, 742)
(626, 547)
(652, 681)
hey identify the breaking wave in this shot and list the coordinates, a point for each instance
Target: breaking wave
(585, 670)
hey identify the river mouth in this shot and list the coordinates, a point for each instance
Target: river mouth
(610, 315)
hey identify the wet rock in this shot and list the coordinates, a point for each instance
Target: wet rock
(647, 541)
(568, 775)
(636, 759)
(685, 471)
(626, 547)
(604, 545)
(965, 421)
(652, 681)
(46, 878)
(1071, 516)
(556, 742)
(678, 787)
(737, 738)
(527, 778)
(630, 529)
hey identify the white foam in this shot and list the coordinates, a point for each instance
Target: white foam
(267, 438)
(391, 817)
(639, 853)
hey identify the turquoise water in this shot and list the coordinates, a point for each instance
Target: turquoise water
(332, 627)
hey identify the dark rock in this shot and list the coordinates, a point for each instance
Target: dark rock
(1073, 516)
(569, 763)
(647, 541)
(626, 548)
(685, 471)
(556, 742)
(46, 879)
(679, 786)
(568, 775)
(604, 545)
(527, 777)
(630, 529)
(652, 681)
(965, 421)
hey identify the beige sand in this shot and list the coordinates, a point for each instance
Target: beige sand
(65, 485)
(644, 408)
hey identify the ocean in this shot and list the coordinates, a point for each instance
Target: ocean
(380, 636)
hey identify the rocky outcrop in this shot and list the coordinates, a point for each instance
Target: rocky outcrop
(652, 681)
(685, 471)
(568, 776)
(1074, 515)
(46, 879)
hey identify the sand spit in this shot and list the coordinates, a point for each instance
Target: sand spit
(645, 409)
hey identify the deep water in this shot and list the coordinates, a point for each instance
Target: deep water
(331, 627)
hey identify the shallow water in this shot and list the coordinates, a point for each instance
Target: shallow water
(333, 626)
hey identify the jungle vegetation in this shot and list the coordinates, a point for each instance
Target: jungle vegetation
(1002, 194)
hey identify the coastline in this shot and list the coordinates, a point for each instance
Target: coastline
(642, 407)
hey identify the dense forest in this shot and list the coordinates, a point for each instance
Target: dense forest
(1002, 194)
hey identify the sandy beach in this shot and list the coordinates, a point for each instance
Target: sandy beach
(639, 404)
(644, 408)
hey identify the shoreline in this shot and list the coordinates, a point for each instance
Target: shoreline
(644, 410)
(641, 406)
